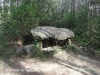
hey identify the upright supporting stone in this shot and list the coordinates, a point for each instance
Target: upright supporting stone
(69, 42)
(40, 45)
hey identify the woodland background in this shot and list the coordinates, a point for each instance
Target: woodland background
(17, 17)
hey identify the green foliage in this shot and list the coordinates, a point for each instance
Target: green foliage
(46, 12)
(7, 52)
(95, 2)
(93, 32)
(21, 20)
(67, 20)
(82, 15)
(87, 27)
(37, 52)
(32, 13)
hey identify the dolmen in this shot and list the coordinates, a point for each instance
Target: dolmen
(48, 36)
(53, 34)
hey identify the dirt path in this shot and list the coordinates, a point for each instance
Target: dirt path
(61, 63)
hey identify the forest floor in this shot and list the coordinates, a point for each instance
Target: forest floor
(61, 63)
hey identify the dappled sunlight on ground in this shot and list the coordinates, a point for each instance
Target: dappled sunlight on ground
(61, 63)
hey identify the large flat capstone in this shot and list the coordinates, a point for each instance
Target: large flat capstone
(46, 32)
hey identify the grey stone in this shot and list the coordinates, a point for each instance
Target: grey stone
(29, 48)
(19, 49)
(46, 32)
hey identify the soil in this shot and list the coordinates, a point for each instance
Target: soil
(62, 63)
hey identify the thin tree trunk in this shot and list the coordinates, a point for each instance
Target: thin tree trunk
(73, 8)
(17, 2)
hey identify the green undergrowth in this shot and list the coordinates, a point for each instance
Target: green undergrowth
(7, 52)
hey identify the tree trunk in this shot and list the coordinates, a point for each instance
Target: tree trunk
(73, 8)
